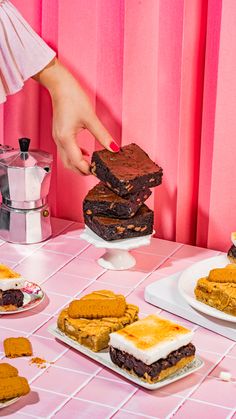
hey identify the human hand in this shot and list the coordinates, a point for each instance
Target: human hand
(72, 112)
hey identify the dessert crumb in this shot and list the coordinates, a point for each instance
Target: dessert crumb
(39, 362)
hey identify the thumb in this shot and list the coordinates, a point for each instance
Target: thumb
(96, 128)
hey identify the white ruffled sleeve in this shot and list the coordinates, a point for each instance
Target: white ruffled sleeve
(22, 52)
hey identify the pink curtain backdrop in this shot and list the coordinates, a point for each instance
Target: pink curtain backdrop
(161, 74)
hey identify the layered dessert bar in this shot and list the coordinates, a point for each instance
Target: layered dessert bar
(11, 283)
(219, 293)
(152, 348)
(98, 304)
(127, 171)
(103, 201)
(115, 229)
(94, 334)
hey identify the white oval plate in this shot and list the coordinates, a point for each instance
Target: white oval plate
(188, 281)
(103, 358)
(8, 402)
(33, 296)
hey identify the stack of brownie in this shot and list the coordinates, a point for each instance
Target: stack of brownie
(114, 209)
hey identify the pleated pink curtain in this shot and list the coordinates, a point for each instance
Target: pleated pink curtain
(159, 73)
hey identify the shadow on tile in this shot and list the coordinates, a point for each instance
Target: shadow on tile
(30, 399)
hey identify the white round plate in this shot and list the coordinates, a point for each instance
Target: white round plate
(188, 281)
(8, 402)
(33, 296)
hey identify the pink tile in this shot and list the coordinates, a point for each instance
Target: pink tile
(53, 303)
(209, 341)
(16, 252)
(69, 380)
(59, 225)
(160, 247)
(47, 349)
(233, 351)
(97, 285)
(217, 392)
(111, 375)
(38, 403)
(196, 410)
(82, 267)
(98, 389)
(146, 402)
(146, 262)
(74, 230)
(65, 284)
(41, 264)
(62, 244)
(43, 331)
(92, 253)
(73, 360)
(210, 359)
(170, 267)
(7, 262)
(227, 364)
(125, 278)
(122, 414)
(24, 367)
(137, 298)
(75, 409)
(27, 321)
(183, 387)
(194, 253)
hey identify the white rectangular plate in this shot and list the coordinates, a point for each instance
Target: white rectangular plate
(103, 358)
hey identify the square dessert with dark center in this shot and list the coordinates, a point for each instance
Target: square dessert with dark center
(127, 171)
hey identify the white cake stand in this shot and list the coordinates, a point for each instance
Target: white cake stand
(117, 256)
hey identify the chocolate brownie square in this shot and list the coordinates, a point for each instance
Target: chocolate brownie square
(103, 201)
(127, 171)
(115, 229)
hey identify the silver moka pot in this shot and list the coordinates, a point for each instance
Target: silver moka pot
(24, 184)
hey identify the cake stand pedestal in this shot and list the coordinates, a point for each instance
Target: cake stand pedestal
(117, 256)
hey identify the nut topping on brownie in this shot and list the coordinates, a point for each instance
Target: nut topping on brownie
(127, 171)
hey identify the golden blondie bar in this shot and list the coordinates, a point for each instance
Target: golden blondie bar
(94, 333)
(220, 295)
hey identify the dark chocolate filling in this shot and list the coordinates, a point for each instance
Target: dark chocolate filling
(232, 251)
(14, 297)
(129, 362)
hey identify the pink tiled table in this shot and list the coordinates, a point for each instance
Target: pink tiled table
(72, 386)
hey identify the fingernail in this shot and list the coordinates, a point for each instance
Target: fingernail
(114, 146)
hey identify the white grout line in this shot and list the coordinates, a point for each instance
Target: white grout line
(73, 394)
(125, 401)
(47, 366)
(230, 416)
(187, 397)
(210, 403)
(138, 414)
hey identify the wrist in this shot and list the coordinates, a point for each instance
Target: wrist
(55, 78)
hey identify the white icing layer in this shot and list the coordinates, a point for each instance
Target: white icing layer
(141, 339)
(11, 283)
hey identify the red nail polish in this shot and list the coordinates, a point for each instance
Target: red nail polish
(114, 146)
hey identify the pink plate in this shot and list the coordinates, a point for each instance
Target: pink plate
(33, 296)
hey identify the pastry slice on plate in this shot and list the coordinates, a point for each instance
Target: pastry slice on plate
(218, 290)
(11, 284)
(152, 348)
